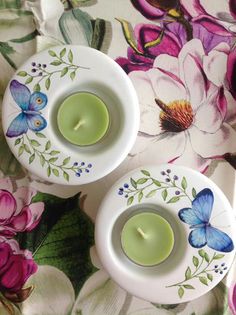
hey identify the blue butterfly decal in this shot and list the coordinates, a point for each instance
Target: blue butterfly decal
(203, 233)
(30, 105)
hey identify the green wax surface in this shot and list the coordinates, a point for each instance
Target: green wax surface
(83, 118)
(147, 239)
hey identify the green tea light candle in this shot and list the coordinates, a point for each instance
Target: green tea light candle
(147, 239)
(83, 118)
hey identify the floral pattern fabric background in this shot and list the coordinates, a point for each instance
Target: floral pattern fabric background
(180, 56)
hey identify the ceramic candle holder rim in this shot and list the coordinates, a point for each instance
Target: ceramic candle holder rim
(115, 89)
(160, 278)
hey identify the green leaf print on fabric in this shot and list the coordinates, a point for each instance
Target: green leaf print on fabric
(25, 38)
(78, 27)
(8, 163)
(62, 238)
(99, 31)
(17, 40)
(5, 51)
(10, 4)
(68, 4)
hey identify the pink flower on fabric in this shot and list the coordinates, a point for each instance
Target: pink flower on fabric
(145, 33)
(16, 266)
(17, 213)
(174, 38)
(219, 18)
(186, 108)
(232, 298)
(171, 42)
(150, 11)
(231, 72)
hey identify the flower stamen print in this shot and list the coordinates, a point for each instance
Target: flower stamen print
(177, 121)
(176, 116)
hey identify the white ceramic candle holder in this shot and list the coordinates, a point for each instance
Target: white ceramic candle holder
(202, 221)
(35, 94)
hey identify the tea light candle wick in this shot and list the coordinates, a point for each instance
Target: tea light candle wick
(78, 125)
(147, 238)
(140, 231)
(83, 118)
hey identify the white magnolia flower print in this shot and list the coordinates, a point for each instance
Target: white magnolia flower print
(53, 293)
(186, 109)
(222, 13)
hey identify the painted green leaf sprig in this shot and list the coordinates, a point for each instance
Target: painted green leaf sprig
(171, 187)
(41, 74)
(202, 270)
(42, 150)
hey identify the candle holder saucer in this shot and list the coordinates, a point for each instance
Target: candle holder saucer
(203, 226)
(32, 101)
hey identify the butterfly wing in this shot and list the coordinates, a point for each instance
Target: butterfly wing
(20, 93)
(197, 238)
(187, 215)
(218, 240)
(37, 101)
(36, 122)
(202, 205)
(18, 126)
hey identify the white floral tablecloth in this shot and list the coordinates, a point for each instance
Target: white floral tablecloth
(181, 58)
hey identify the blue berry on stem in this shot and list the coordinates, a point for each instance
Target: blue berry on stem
(86, 170)
(39, 64)
(44, 66)
(168, 171)
(77, 174)
(176, 177)
(126, 196)
(76, 164)
(163, 173)
(89, 165)
(121, 188)
(33, 70)
(120, 192)
(33, 64)
(177, 192)
(82, 163)
(126, 185)
(167, 180)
